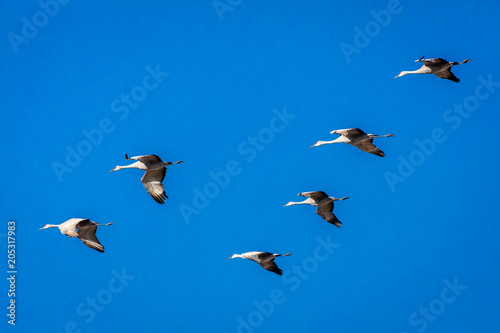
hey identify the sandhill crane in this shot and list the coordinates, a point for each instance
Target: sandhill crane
(324, 203)
(86, 231)
(356, 138)
(265, 259)
(437, 66)
(155, 173)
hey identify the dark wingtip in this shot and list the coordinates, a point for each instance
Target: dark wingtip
(126, 157)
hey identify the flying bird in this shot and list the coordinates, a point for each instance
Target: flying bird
(437, 66)
(265, 259)
(155, 173)
(324, 204)
(356, 138)
(86, 231)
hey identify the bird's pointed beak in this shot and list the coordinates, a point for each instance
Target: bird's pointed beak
(314, 145)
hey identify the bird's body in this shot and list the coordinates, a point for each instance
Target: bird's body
(356, 138)
(324, 204)
(437, 66)
(155, 174)
(264, 259)
(86, 231)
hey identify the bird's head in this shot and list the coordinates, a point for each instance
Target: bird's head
(403, 73)
(46, 226)
(319, 143)
(115, 168)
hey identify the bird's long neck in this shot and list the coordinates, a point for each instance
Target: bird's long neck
(337, 140)
(51, 226)
(134, 165)
(305, 202)
(421, 70)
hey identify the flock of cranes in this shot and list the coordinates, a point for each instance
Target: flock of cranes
(155, 170)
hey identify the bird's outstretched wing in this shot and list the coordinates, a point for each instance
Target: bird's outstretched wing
(433, 61)
(271, 266)
(447, 74)
(369, 147)
(350, 132)
(263, 256)
(326, 212)
(86, 233)
(145, 158)
(315, 195)
(152, 182)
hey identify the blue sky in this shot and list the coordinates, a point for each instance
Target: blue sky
(238, 91)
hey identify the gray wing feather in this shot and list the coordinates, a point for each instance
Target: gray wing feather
(152, 182)
(86, 233)
(351, 132)
(434, 61)
(369, 147)
(447, 74)
(315, 195)
(326, 212)
(271, 266)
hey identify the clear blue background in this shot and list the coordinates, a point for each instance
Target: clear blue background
(395, 248)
